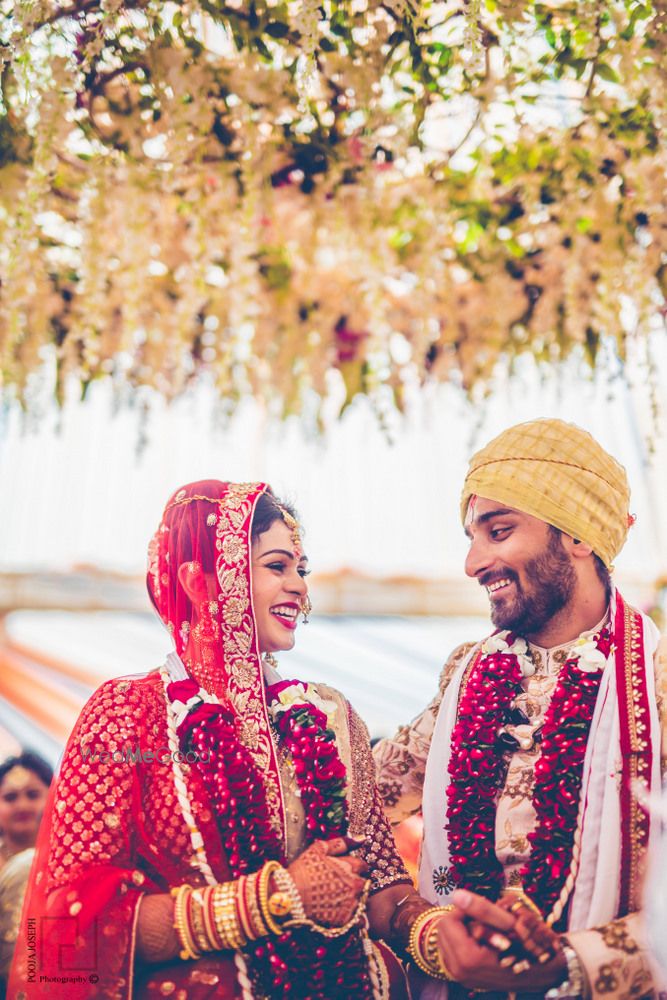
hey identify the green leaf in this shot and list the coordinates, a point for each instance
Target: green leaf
(262, 48)
(605, 71)
(400, 239)
(277, 29)
(579, 67)
(446, 58)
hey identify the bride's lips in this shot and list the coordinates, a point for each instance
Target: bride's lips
(288, 617)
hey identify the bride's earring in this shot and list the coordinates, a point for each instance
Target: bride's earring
(306, 608)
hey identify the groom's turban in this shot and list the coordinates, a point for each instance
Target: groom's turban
(560, 474)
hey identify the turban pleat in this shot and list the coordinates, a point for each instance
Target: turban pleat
(559, 473)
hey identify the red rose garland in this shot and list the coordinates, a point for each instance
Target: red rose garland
(476, 773)
(559, 773)
(477, 770)
(233, 785)
(320, 773)
(331, 966)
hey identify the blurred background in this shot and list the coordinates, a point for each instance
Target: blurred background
(82, 491)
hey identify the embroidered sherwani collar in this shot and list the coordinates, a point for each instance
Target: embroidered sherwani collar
(551, 659)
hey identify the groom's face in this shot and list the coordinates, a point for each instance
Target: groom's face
(522, 564)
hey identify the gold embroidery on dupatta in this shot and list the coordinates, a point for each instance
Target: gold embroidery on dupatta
(244, 680)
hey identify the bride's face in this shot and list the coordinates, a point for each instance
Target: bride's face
(278, 587)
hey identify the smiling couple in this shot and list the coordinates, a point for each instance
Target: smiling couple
(267, 868)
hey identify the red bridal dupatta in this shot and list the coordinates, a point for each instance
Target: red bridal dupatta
(114, 827)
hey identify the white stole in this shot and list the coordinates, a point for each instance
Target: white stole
(595, 897)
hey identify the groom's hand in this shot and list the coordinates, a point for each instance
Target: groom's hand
(488, 960)
(539, 941)
(471, 961)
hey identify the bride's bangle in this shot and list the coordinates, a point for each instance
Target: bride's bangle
(423, 946)
(188, 948)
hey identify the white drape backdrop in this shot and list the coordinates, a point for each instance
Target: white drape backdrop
(81, 494)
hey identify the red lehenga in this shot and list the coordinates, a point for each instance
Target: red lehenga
(114, 827)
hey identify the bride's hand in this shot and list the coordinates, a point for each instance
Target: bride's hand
(330, 881)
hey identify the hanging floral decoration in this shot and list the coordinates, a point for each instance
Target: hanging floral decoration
(288, 198)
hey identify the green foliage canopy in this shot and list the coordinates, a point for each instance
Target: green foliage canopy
(289, 194)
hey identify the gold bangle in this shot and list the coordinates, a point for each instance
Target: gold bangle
(209, 920)
(225, 916)
(199, 933)
(188, 949)
(286, 899)
(242, 909)
(424, 960)
(263, 891)
(252, 904)
(432, 952)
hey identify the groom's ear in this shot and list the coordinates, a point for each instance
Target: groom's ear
(575, 547)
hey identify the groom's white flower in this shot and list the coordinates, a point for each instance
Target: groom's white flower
(590, 657)
(496, 643)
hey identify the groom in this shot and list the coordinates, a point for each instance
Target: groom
(524, 764)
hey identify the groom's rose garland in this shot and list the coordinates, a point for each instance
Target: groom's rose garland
(237, 795)
(478, 766)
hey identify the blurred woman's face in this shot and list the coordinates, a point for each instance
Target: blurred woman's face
(22, 801)
(278, 587)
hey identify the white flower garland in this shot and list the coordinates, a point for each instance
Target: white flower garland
(588, 657)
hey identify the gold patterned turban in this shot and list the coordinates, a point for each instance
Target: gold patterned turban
(559, 473)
